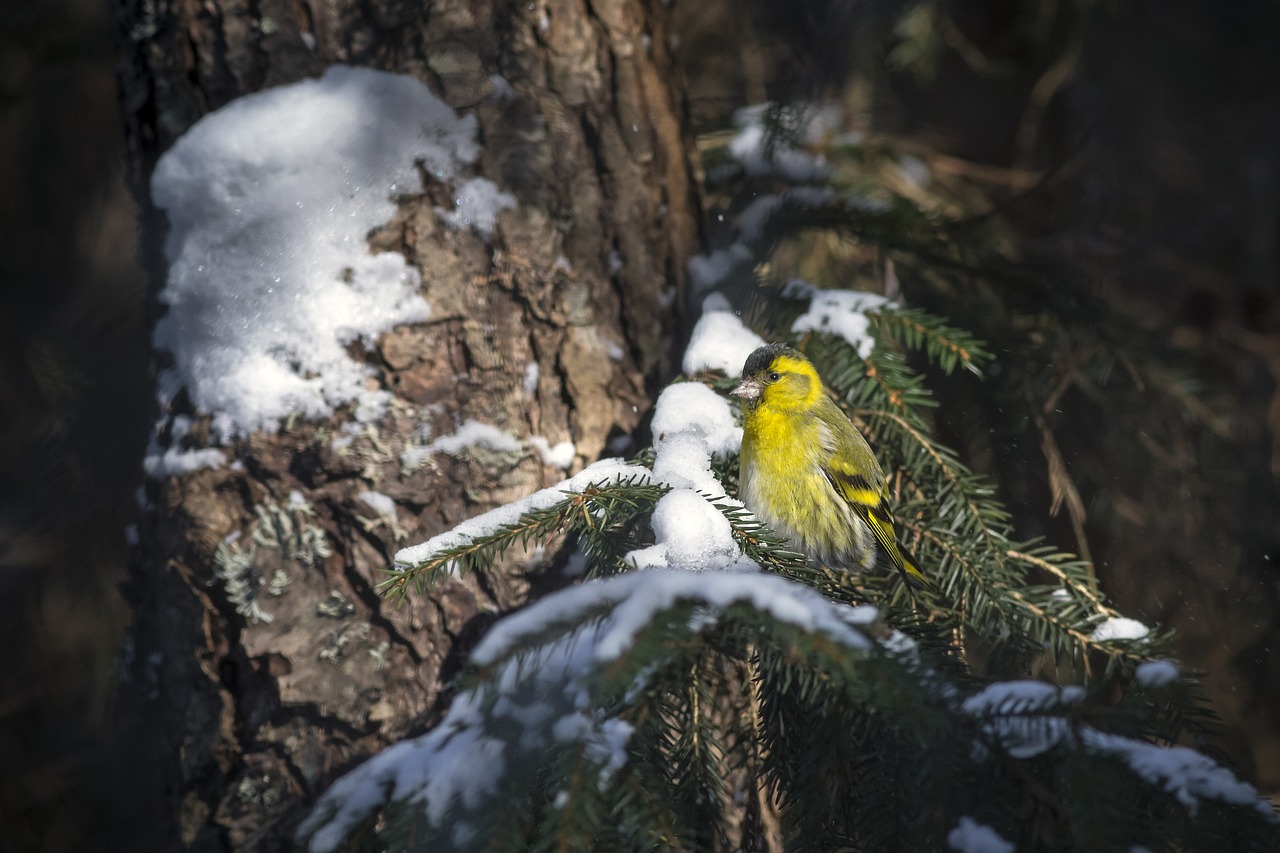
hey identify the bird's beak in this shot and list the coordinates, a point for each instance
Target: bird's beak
(747, 389)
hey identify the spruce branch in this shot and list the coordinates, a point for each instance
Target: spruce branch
(1082, 583)
(947, 346)
(962, 523)
(596, 512)
(865, 726)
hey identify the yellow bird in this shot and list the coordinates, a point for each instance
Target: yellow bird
(806, 471)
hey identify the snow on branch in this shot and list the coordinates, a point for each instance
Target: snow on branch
(634, 600)
(1185, 773)
(569, 505)
(593, 688)
(720, 340)
(600, 473)
(1028, 718)
(542, 690)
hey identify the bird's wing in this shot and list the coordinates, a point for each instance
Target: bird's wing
(869, 504)
(872, 507)
(855, 474)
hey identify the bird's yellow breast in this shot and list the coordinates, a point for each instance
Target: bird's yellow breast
(782, 479)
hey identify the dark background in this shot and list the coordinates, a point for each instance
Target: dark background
(74, 411)
(1163, 118)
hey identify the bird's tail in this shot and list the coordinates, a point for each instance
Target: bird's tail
(911, 571)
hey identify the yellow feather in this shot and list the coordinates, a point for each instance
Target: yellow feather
(807, 472)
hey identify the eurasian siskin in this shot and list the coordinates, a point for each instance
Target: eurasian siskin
(806, 471)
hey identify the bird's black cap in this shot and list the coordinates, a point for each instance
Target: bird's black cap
(759, 360)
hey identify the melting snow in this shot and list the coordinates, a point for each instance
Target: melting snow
(270, 200)
(1120, 628)
(720, 341)
(969, 836)
(602, 472)
(837, 312)
(1156, 673)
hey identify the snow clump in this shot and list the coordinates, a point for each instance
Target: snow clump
(270, 201)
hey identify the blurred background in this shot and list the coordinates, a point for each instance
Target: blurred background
(74, 409)
(1132, 149)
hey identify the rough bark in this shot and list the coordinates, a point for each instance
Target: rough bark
(255, 718)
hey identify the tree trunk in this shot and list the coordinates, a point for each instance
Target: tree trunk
(254, 718)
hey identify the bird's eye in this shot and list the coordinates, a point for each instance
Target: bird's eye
(775, 376)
